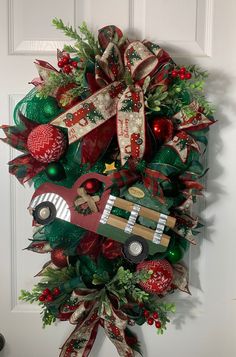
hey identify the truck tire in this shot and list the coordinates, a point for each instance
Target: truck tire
(45, 213)
(135, 249)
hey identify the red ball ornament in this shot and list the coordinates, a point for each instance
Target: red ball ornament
(65, 59)
(158, 324)
(67, 69)
(162, 129)
(146, 313)
(182, 70)
(182, 76)
(188, 75)
(155, 315)
(174, 73)
(46, 143)
(150, 321)
(58, 258)
(56, 291)
(60, 64)
(91, 186)
(74, 64)
(161, 278)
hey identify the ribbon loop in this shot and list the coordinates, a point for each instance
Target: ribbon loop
(140, 60)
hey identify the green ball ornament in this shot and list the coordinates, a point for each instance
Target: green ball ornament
(175, 254)
(50, 107)
(42, 110)
(55, 171)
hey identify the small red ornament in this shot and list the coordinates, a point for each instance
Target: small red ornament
(46, 292)
(158, 324)
(67, 69)
(182, 70)
(46, 143)
(58, 258)
(161, 278)
(174, 73)
(49, 298)
(111, 249)
(91, 186)
(182, 76)
(42, 298)
(150, 321)
(65, 59)
(155, 315)
(56, 292)
(188, 75)
(74, 64)
(162, 129)
(60, 64)
(146, 313)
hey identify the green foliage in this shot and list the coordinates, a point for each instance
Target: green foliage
(30, 296)
(86, 46)
(124, 284)
(155, 99)
(57, 80)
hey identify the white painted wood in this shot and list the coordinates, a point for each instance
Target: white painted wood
(200, 32)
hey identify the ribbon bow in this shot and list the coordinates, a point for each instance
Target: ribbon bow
(130, 63)
(88, 313)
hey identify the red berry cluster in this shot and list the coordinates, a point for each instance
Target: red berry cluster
(152, 318)
(67, 64)
(181, 73)
(48, 295)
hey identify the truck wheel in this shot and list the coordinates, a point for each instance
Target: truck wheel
(45, 213)
(136, 249)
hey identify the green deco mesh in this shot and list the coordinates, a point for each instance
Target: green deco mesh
(39, 110)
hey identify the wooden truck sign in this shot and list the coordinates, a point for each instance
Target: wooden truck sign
(51, 201)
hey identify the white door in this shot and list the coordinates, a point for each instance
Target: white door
(194, 31)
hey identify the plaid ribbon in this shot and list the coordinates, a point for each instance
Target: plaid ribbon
(24, 167)
(152, 180)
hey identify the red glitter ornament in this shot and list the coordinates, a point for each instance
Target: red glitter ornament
(162, 129)
(46, 143)
(161, 278)
(91, 186)
(58, 258)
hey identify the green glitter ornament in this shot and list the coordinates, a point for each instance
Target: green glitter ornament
(55, 171)
(42, 110)
(175, 253)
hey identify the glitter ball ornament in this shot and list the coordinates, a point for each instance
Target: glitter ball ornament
(46, 143)
(55, 171)
(161, 278)
(162, 129)
(58, 258)
(91, 186)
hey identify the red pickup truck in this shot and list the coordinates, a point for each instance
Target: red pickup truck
(51, 201)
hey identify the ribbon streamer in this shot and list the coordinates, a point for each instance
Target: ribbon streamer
(88, 313)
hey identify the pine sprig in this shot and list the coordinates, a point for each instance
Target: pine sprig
(47, 317)
(86, 46)
(54, 81)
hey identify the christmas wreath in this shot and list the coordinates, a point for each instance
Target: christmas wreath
(113, 142)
